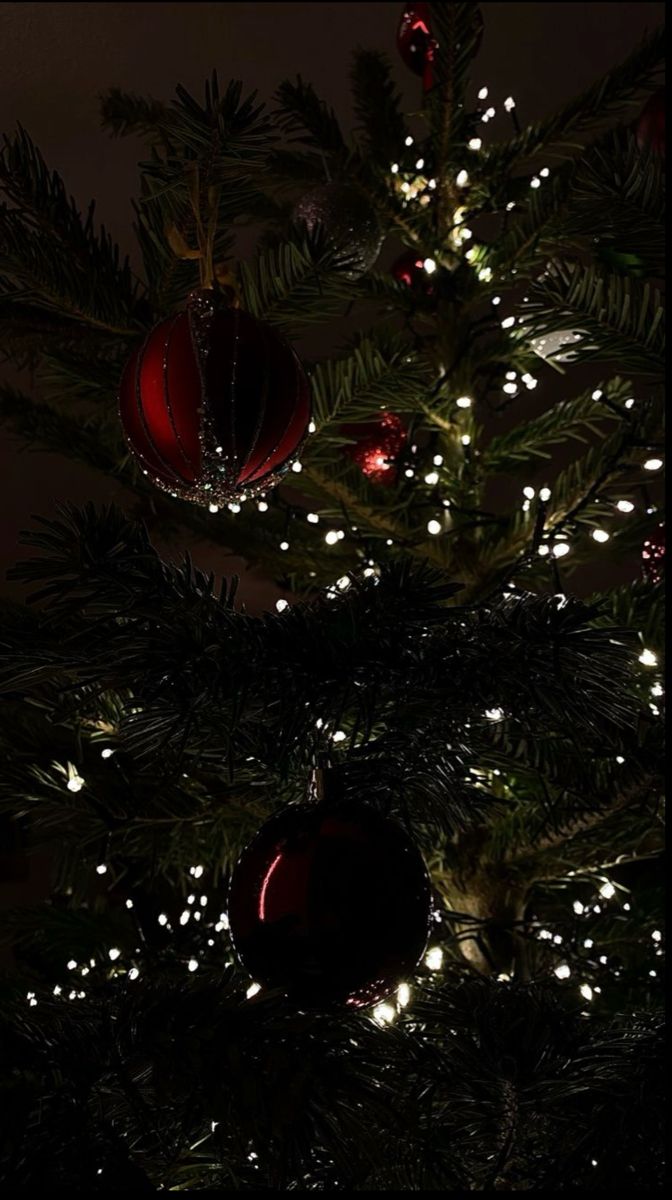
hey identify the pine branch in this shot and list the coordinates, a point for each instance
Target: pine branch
(381, 124)
(606, 98)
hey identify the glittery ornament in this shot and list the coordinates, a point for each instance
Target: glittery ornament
(349, 222)
(650, 126)
(330, 903)
(378, 446)
(214, 404)
(653, 556)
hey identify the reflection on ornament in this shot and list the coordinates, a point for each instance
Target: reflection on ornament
(214, 404)
(415, 43)
(653, 556)
(378, 446)
(412, 269)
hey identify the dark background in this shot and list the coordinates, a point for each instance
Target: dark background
(56, 58)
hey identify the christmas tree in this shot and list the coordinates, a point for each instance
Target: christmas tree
(438, 683)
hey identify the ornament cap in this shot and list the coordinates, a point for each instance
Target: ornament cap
(327, 783)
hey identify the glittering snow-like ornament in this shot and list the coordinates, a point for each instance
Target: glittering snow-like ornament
(653, 555)
(331, 903)
(214, 404)
(350, 224)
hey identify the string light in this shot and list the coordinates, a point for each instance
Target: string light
(653, 464)
(483, 94)
(462, 178)
(648, 659)
(284, 545)
(262, 506)
(252, 990)
(509, 104)
(433, 527)
(508, 322)
(384, 1013)
(463, 402)
(75, 783)
(474, 143)
(101, 869)
(607, 890)
(312, 518)
(192, 965)
(281, 605)
(586, 991)
(625, 506)
(438, 460)
(213, 508)
(560, 549)
(545, 494)
(297, 468)
(429, 265)
(432, 478)
(563, 971)
(600, 535)
(114, 953)
(107, 752)
(465, 439)
(434, 958)
(403, 995)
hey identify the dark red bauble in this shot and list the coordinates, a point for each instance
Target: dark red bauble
(409, 269)
(415, 43)
(331, 904)
(650, 127)
(378, 445)
(214, 404)
(653, 556)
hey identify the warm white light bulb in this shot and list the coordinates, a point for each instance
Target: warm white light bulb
(429, 265)
(464, 402)
(648, 659)
(281, 605)
(563, 971)
(462, 178)
(600, 535)
(474, 143)
(434, 958)
(560, 549)
(434, 527)
(653, 464)
(625, 506)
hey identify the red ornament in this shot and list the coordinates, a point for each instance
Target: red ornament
(379, 444)
(330, 902)
(214, 404)
(653, 556)
(650, 126)
(409, 269)
(415, 43)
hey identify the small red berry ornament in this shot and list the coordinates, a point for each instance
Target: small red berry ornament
(653, 556)
(409, 270)
(214, 404)
(415, 43)
(378, 446)
(650, 126)
(330, 903)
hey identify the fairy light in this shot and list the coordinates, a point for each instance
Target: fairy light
(485, 274)
(474, 143)
(653, 464)
(625, 506)
(196, 871)
(234, 508)
(129, 904)
(114, 954)
(419, 164)
(483, 94)
(535, 182)
(312, 427)
(312, 518)
(284, 545)
(588, 942)
(438, 460)
(600, 535)
(494, 714)
(462, 178)
(544, 494)
(657, 689)
(408, 141)
(560, 549)
(213, 508)
(586, 991)
(464, 402)
(162, 919)
(620, 760)
(563, 971)
(544, 172)
(578, 907)
(384, 1013)
(184, 916)
(107, 752)
(434, 527)
(343, 583)
(262, 506)
(607, 890)
(133, 973)
(509, 104)
(496, 300)
(75, 783)
(434, 958)
(656, 935)
(543, 551)
(252, 990)
(192, 965)
(332, 537)
(508, 322)
(339, 736)
(403, 995)
(510, 389)
(281, 605)
(648, 659)
(101, 869)
(432, 478)
(297, 468)
(529, 381)
(429, 265)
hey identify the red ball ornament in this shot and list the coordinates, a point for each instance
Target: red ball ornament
(653, 556)
(378, 446)
(214, 404)
(409, 270)
(330, 902)
(650, 127)
(415, 43)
